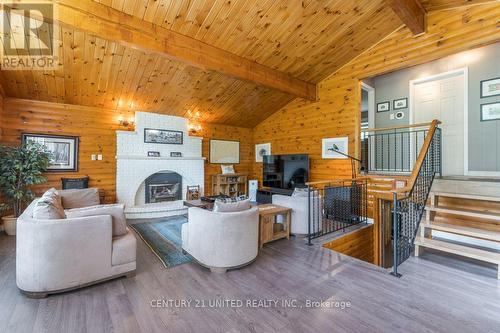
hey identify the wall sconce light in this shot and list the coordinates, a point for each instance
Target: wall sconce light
(194, 128)
(126, 123)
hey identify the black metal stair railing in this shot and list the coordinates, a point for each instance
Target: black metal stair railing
(392, 150)
(409, 207)
(336, 205)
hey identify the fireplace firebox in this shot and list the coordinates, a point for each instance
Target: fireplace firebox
(163, 186)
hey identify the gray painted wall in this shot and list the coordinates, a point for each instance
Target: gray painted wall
(483, 63)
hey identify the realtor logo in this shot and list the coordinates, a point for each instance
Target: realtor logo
(28, 36)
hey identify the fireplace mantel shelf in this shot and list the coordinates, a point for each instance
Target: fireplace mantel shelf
(138, 157)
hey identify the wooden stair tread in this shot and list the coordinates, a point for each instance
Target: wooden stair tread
(465, 212)
(462, 250)
(462, 230)
(466, 196)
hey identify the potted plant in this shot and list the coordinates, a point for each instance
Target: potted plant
(20, 168)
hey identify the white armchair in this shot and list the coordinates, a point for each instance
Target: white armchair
(221, 241)
(62, 254)
(299, 207)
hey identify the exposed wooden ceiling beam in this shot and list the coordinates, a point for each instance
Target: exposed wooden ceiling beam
(431, 5)
(108, 23)
(411, 12)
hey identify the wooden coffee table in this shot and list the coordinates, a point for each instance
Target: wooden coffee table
(269, 229)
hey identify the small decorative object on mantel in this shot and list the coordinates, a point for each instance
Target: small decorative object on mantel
(401, 103)
(153, 154)
(490, 87)
(383, 106)
(63, 150)
(224, 151)
(175, 154)
(163, 136)
(193, 192)
(490, 111)
(330, 146)
(227, 169)
(261, 150)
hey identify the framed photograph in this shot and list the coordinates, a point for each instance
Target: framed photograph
(64, 150)
(175, 154)
(153, 154)
(490, 87)
(490, 111)
(330, 146)
(401, 103)
(224, 151)
(167, 137)
(261, 150)
(383, 106)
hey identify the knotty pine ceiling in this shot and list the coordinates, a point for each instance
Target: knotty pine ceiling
(308, 39)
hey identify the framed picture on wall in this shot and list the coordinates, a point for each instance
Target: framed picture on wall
(224, 151)
(490, 111)
(262, 149)
(383, 106)
(490, 87)
(163, 136)
(401, 103)
(63, 149)
(331, 146)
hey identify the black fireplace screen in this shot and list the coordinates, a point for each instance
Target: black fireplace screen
(163, 186)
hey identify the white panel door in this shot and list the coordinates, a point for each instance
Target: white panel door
(443, 99)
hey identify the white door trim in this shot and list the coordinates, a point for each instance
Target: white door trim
(461, 71)
(371, 103)
(371, 115)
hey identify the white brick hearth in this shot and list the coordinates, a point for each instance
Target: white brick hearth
(134, 166)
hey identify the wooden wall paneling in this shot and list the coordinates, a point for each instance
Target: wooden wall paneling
(310, 39)
(300, 125)
(104, 74)
(1, 113)
(100, 73)
(357, 244)
(247, 155)
(96, 128)
(2, 125)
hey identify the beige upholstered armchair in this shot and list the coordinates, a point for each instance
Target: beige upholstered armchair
(222, 240)
(60, 254)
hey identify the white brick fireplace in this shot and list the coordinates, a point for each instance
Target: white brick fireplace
(134, 166)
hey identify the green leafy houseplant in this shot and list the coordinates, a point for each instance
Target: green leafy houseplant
(20, 168)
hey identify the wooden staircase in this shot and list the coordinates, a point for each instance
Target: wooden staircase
(473, 216)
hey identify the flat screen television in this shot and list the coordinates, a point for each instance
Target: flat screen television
(285, 171)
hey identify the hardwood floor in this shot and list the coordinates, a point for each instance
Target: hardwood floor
(437, 293)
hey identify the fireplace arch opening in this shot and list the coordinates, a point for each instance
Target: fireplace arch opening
(163, 186)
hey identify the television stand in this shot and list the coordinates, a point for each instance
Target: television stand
(265, 195)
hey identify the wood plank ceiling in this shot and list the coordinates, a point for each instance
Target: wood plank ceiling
(306, 39)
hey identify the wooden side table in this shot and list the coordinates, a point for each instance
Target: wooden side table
(269, 229)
